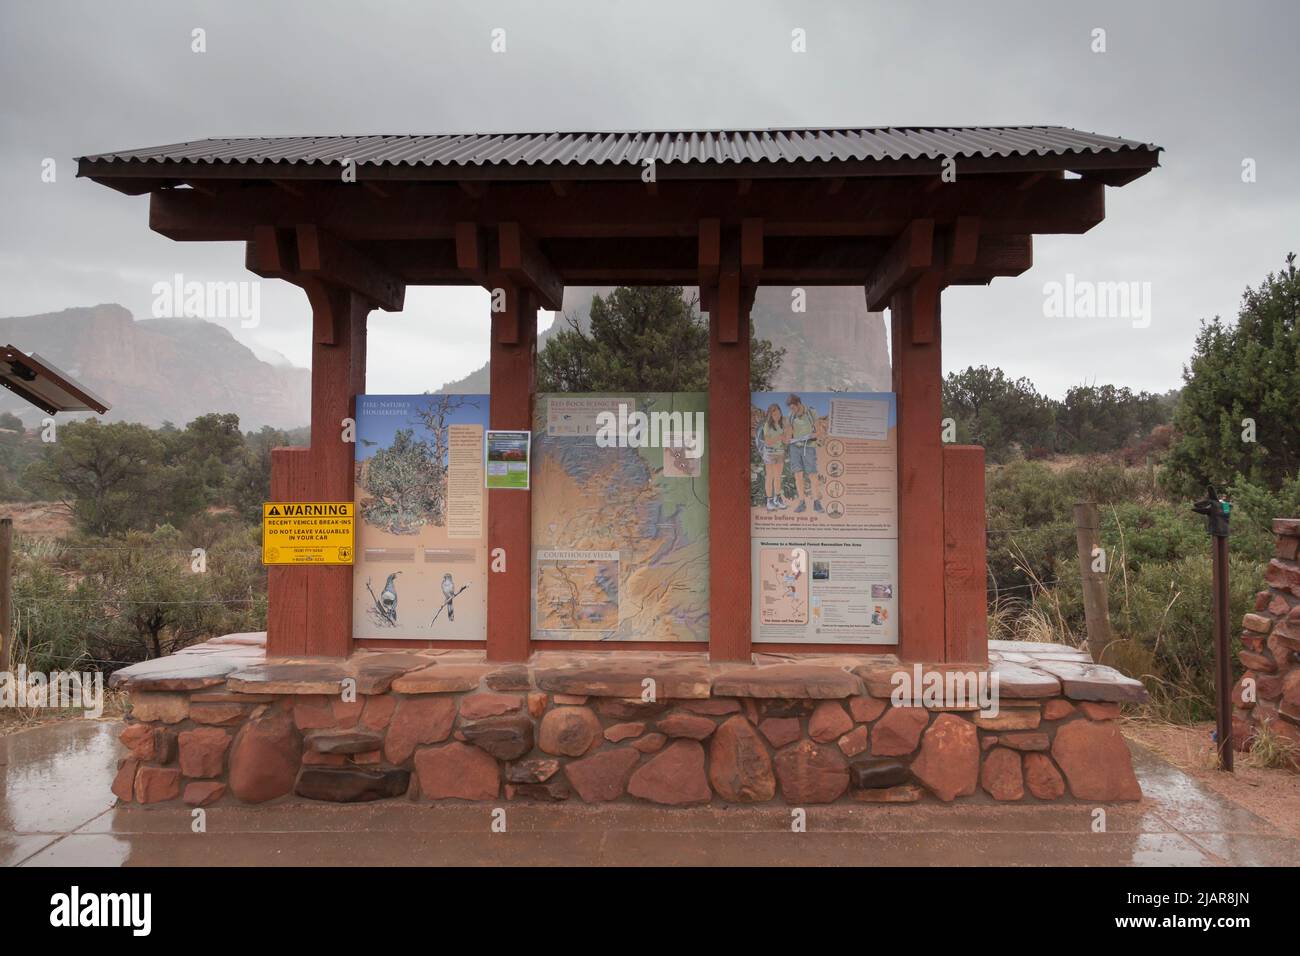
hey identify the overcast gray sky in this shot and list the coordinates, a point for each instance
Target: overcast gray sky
(1211, 82)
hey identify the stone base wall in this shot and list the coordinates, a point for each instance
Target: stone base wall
(436, 726)
(1267, 698)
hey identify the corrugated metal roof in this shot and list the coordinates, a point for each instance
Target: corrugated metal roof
(633, 148)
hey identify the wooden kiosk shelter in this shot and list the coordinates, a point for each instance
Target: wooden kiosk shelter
(901, 212)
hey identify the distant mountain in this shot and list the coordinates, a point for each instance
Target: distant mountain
(158, 370)
(835, 345)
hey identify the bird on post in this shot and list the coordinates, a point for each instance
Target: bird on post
(388, 598)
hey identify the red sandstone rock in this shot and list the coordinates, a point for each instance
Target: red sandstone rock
(1268, 686)
(1291, 688)
(686, 725)
(899, 731)
(418, 720)
(739, 766)
(603, 775)
(157, 784)
(675, 776)
(1000, 775)
(124, 782)
(811, 773)
(378, 711)
(203, 751)
(457, 771)
(313, 713)
(221, 714)
(264, 758)
(311, 758)
(149, 743)
(346, 712)
(1096, 763)
(488, 704)
(623, 731)
(167, 708)
(570, 731)
(1016, 718)
(1257, 623)
(1256, 662)
(949, 761)
(200, 793)
(1042, 777)
(711, 708)
(1056, 709)
(1025, 740)
(629, 708)
(829, 721)
(1099, 710)
(441, 679)
(536, 704)
(1283, 575)
(854, 742)
(904, 793)
(780, 731)
(807, 680)
(138, 738)
(865, 709)
(650, 743)
(571, 700)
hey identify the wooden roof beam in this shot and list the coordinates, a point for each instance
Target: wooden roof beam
(522, 260)
(606, 211)
(911, 255)
(323, 255)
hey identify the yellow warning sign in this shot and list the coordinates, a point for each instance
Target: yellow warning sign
(305, 532)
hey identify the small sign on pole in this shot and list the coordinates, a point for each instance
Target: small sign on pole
(505, 458)
(305, 532)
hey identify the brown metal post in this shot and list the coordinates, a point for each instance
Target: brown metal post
(1096, 604)
(1222, 654)
(6, 591)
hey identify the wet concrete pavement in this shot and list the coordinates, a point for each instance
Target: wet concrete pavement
(56, 809)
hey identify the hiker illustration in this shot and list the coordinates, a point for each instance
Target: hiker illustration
(449, 595)
(770, 438)
(804, 431)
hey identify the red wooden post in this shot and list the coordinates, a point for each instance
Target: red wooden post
(338, 375)
(965, 568)
(510, 528)
(286, 586)
(728, 437)
(918, 383)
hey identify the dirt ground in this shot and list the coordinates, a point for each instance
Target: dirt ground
(1269, 793)
(39, 519)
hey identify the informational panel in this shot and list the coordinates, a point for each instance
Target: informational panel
(620, 517)
(824, 517)
(420, 571)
